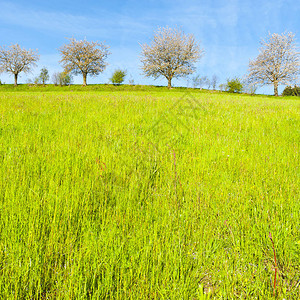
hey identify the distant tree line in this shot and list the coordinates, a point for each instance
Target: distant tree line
(171, 54)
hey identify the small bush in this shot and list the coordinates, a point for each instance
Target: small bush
(234, 85)
(291, 91)
(131, 80)
(118, 77)
(36, 80)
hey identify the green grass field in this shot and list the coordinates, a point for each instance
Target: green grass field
(115, 193)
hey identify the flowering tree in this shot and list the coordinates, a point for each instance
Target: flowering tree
(277, 63)
(172, 54)
(15, 60)
(83, 57)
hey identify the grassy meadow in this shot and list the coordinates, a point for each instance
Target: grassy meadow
(146, 193)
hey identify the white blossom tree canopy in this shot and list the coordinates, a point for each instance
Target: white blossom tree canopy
(171, 54)
(15, 60)
(83, 57)
(277, 62)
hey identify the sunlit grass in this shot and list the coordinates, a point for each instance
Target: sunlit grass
(148, 195)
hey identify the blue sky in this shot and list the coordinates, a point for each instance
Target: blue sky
(228, 30)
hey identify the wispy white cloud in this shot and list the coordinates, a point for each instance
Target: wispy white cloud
(68, 24)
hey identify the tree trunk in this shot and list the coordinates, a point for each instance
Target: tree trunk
(16, 79)
(84, 79)
(169, 83)
(276, 88)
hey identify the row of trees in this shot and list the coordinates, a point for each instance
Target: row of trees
(171, 54)
(203, 81)
(234, 85)
(65, 78)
